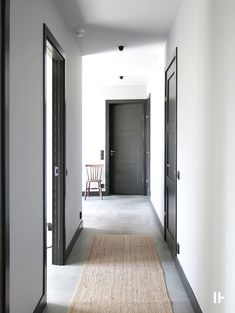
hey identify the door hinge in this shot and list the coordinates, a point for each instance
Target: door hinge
(80, 215)
(178, 248)
(49, 226)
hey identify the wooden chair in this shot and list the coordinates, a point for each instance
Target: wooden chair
(94, 175)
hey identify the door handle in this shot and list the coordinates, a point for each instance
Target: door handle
(112, 151)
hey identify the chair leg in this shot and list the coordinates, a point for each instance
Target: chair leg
(89, 188)
(86, 191)
(100, 191)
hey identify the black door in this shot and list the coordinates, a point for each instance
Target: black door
(1, 169)
(52, 47)
(127, 151)
(147, 145)
(58, 168)
(171, 154)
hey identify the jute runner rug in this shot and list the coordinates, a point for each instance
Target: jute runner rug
(122, 274)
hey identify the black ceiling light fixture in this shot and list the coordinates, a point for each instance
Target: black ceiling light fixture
(121, 48)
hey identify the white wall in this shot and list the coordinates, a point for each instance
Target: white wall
(156, 88)
(94, 108)
(204, 34)
(191, 33)
(26, 144)
(223, 152)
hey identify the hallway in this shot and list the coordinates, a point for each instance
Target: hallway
(200, 37)
(114, 215)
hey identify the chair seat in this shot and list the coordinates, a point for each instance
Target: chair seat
(94, 180)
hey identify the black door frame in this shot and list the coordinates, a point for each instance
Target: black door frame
(107, 138)
(147, 127)
(4, 156)
(174, 57)
(58, 227)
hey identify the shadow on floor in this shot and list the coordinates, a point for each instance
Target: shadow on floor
(55, 308)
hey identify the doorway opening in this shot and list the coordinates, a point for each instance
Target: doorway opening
(54, 153)
(128, 147)
(49, 156)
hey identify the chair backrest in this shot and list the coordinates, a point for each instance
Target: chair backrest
(94, 171)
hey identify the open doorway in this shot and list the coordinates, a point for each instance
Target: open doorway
(54, 151)
(49, 156)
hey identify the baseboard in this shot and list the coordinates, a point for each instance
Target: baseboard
(73, 240)
(186, 284)
(188, 289)
(95, 194)
(41, 305)
(157, 218)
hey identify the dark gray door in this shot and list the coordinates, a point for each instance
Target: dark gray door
(52, 47)
(127, 148)
(147, 145)
(58, 168)
(171, 154)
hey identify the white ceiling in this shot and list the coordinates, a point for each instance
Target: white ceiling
(137, 65)
(109, 23)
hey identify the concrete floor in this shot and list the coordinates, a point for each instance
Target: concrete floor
(113, 215)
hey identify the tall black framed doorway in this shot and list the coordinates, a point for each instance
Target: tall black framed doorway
(57, 147)
(170, 222)
(4, 157)
(127, 156)
(148, 146)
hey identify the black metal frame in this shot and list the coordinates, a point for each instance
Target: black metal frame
(107, 139)
(50, 42)
(174, 57)
(4, 156)
(147, 126)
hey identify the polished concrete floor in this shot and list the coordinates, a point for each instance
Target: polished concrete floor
(113, 215)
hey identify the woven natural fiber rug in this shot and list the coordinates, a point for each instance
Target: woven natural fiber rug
(122, 274)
